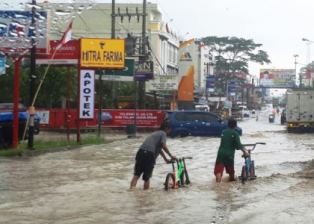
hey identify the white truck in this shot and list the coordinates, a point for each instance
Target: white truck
(300, 110)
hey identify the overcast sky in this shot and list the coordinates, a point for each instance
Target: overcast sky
(279, 25)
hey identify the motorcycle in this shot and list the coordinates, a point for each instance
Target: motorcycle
(271, 118)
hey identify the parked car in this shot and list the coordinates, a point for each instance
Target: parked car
(6, 110)
(196, 123)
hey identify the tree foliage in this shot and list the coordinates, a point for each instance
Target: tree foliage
(59, 83)
(232, 54)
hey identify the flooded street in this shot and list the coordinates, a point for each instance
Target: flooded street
(90, 185)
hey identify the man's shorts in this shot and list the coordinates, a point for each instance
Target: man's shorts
(145, 162)
(219, 168)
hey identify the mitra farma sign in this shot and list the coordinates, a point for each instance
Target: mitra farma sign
(102, 53)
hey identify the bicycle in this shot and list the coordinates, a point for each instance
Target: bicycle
(248, 169)
(179, 177)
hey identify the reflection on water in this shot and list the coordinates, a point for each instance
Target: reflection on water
(90, 185)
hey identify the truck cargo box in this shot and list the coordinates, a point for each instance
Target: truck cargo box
(300, 110)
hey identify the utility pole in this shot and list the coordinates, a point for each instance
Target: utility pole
(100, 103)
(143, 58)
(113, 35)
(113, 19)
(32, 77)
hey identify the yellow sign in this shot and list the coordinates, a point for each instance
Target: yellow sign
(102, 53)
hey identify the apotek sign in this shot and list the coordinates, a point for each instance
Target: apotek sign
(87, 79)
(102, 53)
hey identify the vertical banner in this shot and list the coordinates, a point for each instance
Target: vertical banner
(210, 83)
(232, 88)
(87, 82)
(2, 64)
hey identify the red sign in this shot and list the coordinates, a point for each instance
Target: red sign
(67, 54)
(61, 118)
(121, 118)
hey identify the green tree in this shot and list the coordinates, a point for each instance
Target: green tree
(52, 92)
(232, 55)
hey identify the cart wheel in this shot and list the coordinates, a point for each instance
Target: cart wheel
(170, 181)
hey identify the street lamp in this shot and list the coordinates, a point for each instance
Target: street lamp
(308, 49)
(295, 68)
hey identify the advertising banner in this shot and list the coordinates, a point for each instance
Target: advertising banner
(121, 118)
(67, 54)
(163, 83)
(102, 53)
(277, 78)
(44, 116)
(125, 74)
(87, 92)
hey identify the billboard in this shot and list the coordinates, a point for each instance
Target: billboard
(102, 53)
(277, 78)
(16, 30)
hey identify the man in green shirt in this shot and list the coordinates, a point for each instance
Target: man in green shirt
(230, 141)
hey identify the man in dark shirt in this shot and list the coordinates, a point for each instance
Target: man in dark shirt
(230, 141)
(147, 154)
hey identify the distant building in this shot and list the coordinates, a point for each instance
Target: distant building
(94, 21)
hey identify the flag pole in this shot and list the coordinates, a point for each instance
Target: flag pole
(65, 38)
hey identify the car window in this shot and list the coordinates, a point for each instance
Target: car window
(180, 116)
(192, 117)
(9, 107)
(204, 117)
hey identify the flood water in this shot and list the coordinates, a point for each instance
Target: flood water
(90, 185)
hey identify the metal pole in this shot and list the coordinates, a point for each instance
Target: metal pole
(113, 35)
(144, 27)
(78, 120)
(295, 69)
(113, 19)
(68, 102)
(143, 58)
(99, 103)
(16, 94)
(32, 76)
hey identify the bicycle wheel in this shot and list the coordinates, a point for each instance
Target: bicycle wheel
(187, 179)
(243, 174)
(170, 182)
(182, 179)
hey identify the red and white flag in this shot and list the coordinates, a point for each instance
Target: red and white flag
(67, 35)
